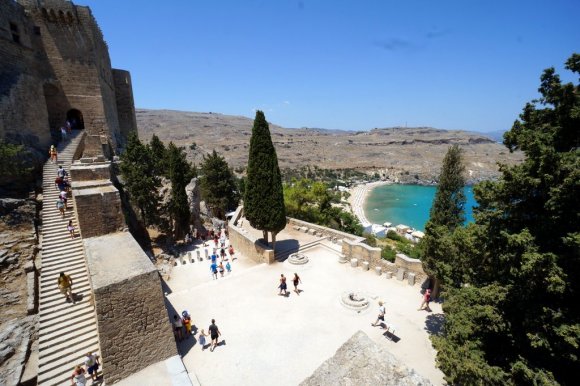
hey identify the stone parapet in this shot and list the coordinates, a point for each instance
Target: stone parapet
(90, 171)
(98, 208)
(247, 244)
(134, 328)
(323, 231)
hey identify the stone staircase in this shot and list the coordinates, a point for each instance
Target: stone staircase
(67, 331)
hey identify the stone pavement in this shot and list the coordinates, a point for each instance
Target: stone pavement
(67, 331)
(269, 339)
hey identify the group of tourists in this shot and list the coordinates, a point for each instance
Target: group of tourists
(283, 287)
(184, 323)
(91, 366)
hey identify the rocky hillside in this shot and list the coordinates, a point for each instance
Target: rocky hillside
(402, 154)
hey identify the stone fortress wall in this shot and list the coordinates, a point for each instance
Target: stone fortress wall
(54, 66)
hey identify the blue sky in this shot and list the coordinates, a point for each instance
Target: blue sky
(342, 64)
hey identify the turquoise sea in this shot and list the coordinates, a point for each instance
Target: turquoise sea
(406, 204)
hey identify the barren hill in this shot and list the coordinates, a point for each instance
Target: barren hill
(404, 154)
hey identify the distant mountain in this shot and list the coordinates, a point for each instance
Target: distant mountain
(496, 135)
(403, 154)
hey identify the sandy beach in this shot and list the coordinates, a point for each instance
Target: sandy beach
(357, 198)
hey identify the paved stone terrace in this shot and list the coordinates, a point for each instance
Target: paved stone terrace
(274, 339)
(66, 331)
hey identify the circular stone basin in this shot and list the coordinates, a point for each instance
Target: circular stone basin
(298, 259)
(354, 301)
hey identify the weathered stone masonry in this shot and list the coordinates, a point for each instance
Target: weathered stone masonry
(54, 66)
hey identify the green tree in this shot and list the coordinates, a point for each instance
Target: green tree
(180, 173)
(218, 186)
(264, 198)
(518, 322)
(159, 155)
(15, 162)
(140, 181)
(447, 213)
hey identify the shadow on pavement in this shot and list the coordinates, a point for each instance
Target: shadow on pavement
(434, 324)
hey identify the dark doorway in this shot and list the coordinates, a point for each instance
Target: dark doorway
(75, 118)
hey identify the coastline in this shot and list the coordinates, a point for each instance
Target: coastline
(358, 196)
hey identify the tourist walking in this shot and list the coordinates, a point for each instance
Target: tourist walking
(201, 339)
(296, 281)
(214, 333)
(426, 300)
(61, 172)
(60, 204)
(221, 269)
(282, 285)
(64, 196)
(92, 363)
(63, 133)
(381, 316)
(65, 284)
(78, 376)
(231, 252)
(186, 322)
(228, 267)
(53, 154)
(71, 229)
(213, 268)
(223, 253)
(178, 327)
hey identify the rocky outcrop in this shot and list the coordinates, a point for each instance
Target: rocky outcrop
(17, 288)
(194, 199)
(361, 362)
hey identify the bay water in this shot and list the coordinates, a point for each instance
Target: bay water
(407, 204)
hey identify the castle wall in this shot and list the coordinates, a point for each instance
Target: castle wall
(57, 63)
(125, 103)
(23, 115)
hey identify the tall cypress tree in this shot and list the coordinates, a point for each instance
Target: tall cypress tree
(179, 172)
(447, 213)
(264, 197)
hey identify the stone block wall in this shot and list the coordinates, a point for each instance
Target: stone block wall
(98, 208)
(246, 244)
(134, 329)
(362, 252)
(411, 265)
(326, 232)
(53, 61)
(90, 171)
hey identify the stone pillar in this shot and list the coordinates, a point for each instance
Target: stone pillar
(400, 274)
(354, 263)
(365, 265)
(378, 270)
(388, 275)
(411, 278)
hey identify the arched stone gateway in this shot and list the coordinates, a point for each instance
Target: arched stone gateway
(75, 118)
(354, 300)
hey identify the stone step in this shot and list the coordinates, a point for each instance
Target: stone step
(61, 249)
(53, 296)
(57, 266)
(61, 239)
(57, 369)
(82, 318)
(55, 259)
(76, 275)
(72, 335)
(64, 309)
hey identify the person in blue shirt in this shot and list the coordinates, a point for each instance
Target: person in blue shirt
(214, 269)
